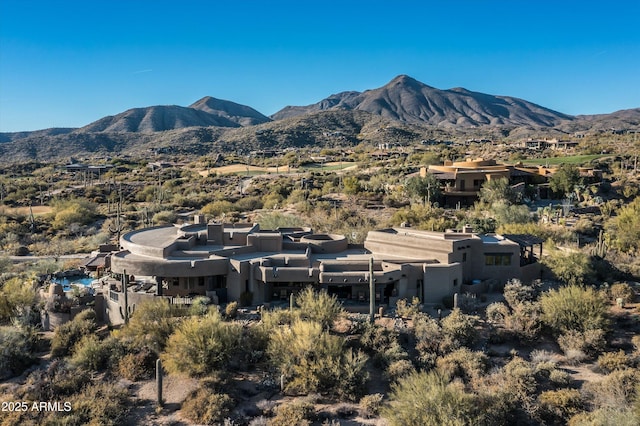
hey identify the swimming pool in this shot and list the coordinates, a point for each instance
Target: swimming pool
(68, 282)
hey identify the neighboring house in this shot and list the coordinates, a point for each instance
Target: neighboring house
(230, 262)
(553, 144)
(462, 180)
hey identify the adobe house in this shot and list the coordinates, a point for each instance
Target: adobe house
(232, 262)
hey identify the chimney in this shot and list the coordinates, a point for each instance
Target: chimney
(467, 229)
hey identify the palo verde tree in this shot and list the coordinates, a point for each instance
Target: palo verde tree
(427, 188)
(565, 180)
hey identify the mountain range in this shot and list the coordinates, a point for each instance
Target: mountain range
(210, 123)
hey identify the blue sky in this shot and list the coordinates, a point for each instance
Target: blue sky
(68, 63)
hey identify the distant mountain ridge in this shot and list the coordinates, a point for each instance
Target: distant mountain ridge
(206, 112)
(406, 99)
(404, 110)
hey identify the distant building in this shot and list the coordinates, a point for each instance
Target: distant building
(462, 180)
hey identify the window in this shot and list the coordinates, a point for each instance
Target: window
(464, 257)
(455, 282)
(477, 183)
(497, 259)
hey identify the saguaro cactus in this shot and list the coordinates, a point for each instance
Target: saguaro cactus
(159, 382)
(601, 247)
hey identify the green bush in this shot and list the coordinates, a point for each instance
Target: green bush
(429, 399)
(199, 305)
(590, 342)
(616, 391)
(203, 406)
(605, 416)
(231, 310)
(67, 335)
(292, 413)
(383, 344)
(90, 354)
(458, 329)
(101, 403)
(17, 346)
(611, 361)
(557, 406)
(407, 309)
(320, 307)
(463, 363)
(16, 295)
(515, 293)
(497, 312)
(622, 291)
(312, 360)
(150, 325)
(136, 366)
(398, 369)
(201, 344)
(574, 308)
(370, 405)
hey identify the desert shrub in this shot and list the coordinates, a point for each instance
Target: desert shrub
(429, 399)
(17, 346)
(615, 391)
(248, 204)
(557, 406)
(292, 413)
(399, 368)
(574, 308)
(16, 296)
(635, 341)
(138, 365)
(458, 329)
(67, 335)
(407, 309)
(370, 405)
(605, 416)
(622, 291)
(312, 360)
(58, 380)
(515, 292)
(218, 208)
(508, 394)
(100, 403)
(524, 321)
(203, 406)
(199, 305)
(231, 310)
(497, 312)
(383, 344)
(611, 361)
(67, 212)
(559, 377)
(428, 334)
(350, 375)
(463, 363)
(538, 356)
(520, 375)
(271, 320)
(150, 325)
(589, 342)
(572, 268)
(201, 344)
(164, 217)
(89, 353)
(320, 307)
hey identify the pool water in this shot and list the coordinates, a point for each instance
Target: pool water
(67, 283)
